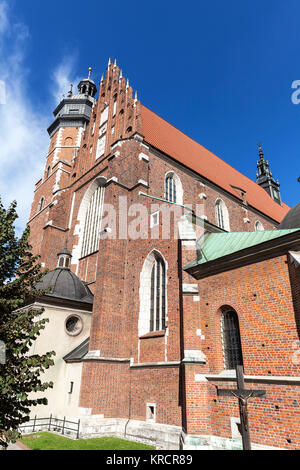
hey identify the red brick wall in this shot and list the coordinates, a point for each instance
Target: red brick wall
(261, 295)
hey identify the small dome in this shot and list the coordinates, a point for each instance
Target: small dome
(292, 219)
(65, 285)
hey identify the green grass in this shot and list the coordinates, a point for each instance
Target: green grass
(49, 441)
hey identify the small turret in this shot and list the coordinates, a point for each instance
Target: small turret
(64, 259)
(265, 179)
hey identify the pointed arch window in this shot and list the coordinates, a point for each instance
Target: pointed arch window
(258, 226)
(92, 223)
(173, 188)
(222, 216)
(170, 189)
(41, 204)
(158, 296)
(232, 348)
(153, 294)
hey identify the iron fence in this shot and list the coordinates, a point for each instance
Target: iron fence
(51, 424)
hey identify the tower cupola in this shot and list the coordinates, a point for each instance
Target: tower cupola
(64, 259)
(264, 177)
(75, 109)
(87, 87)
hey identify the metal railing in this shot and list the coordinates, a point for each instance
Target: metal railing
(42, 424)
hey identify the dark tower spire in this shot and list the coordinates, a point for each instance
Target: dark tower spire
(265, 179)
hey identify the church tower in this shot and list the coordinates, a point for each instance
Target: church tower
(265, 179)
(71, 117)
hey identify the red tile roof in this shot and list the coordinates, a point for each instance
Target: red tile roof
(165, 137)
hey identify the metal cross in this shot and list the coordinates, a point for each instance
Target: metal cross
(243, 395)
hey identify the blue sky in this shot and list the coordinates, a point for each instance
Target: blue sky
(220, 71)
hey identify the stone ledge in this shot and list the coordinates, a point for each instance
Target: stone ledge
(162, 436)
(289, 380)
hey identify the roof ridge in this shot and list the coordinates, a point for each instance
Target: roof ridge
(196, 142)
(170, 140)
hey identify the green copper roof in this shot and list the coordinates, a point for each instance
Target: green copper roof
(218, 245)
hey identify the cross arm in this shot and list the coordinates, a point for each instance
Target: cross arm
(222, 392)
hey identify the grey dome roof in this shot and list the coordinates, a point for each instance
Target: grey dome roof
(65, 285)
(292, 219)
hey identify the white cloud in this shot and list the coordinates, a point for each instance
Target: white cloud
(3, 17)
(62, 78)
(23, 129)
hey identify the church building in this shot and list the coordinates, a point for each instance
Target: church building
(167, 269)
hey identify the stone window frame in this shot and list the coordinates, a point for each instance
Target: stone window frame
(151, 417)
(258, 224)
(80, 320)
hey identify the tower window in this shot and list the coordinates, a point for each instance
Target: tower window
(232, 348)
(41, 204)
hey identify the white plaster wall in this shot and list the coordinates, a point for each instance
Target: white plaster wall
(55, 338)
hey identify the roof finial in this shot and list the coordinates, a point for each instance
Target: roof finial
(109, 61)
(121, 75)
(135, 97)
(90, 69)
(115, 63)
(102, 78)
(127, 84)
(71, 90)
(260, 151)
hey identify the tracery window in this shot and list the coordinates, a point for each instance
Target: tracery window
(158, 295)
(173, 188)
(153, 294)
(222, 216)
(170, 189)
(92, 223)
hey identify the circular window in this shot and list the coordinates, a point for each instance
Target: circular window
(74, 325)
